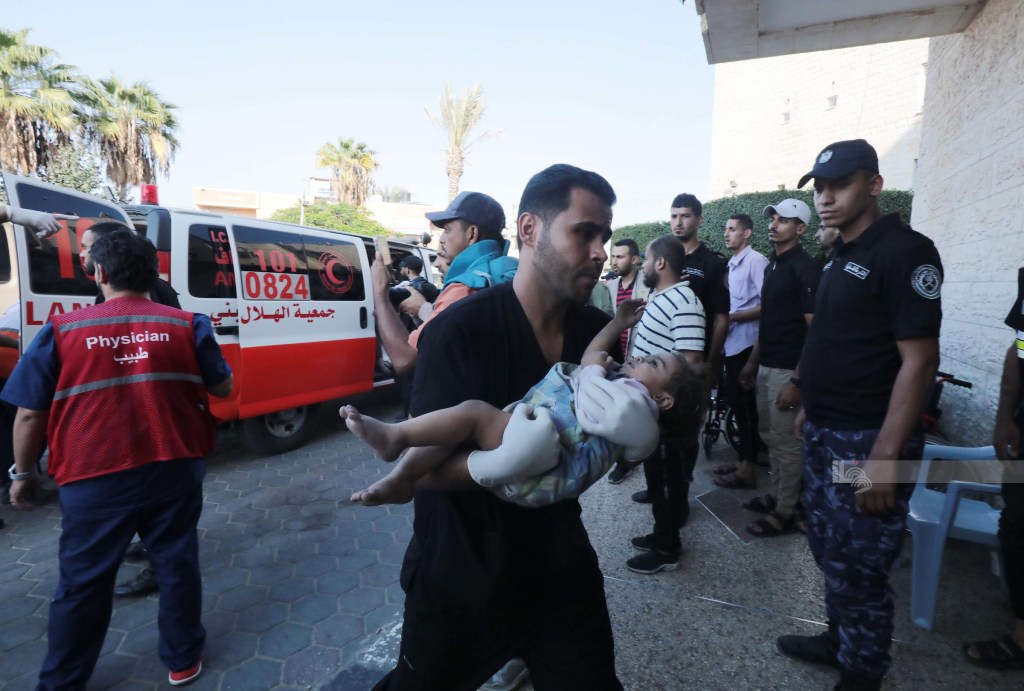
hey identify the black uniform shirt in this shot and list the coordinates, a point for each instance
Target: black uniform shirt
(881, 288)
(470, 549)
(1015, 320)
(788, 293)
(708, 278)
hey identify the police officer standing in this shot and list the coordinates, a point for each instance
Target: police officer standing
(119, 392)
(868, 362)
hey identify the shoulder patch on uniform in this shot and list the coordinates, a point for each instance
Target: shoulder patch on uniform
(926, 281)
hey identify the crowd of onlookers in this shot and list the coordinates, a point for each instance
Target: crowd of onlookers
(521, 396)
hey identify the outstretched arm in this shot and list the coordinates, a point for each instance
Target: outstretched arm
(392, 333)
(626, 317)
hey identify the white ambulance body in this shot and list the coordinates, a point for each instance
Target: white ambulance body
(291, 306)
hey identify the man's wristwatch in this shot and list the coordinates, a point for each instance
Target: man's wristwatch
(795, 382)
(13, 473)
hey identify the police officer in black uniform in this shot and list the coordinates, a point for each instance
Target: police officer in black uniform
(868, 362)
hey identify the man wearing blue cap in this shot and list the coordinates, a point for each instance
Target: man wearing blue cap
(472, 244)
(868, 362)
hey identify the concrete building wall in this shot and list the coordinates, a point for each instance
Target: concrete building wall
(970, 201)
(878, 90)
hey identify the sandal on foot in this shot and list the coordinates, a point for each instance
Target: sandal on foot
(734, 481)
(1003, 653)
(762, 527)
(725, 469)
(765, 504)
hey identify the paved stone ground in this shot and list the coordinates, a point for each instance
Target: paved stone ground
(301, 588)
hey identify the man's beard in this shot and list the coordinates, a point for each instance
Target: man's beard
(651, 280)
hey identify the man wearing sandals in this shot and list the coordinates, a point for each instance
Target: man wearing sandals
(1008, 651)
(867, 364)
(787, 306)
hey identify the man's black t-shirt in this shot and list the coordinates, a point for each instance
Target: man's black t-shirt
(788, 293)
(881, 288)
(1015, 320)
(708, 278)
(470, 549)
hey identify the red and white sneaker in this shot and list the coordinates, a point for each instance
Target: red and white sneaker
(185, 676)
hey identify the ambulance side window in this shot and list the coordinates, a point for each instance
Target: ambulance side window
(54, 266)
(335, 271)
(272, 263)
(211, 271)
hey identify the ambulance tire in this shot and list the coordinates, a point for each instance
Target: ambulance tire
(279, 432)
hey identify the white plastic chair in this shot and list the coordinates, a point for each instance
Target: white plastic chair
(935, 516)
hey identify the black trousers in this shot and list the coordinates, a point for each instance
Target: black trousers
(1011, 539)
(744, 405)
(562, 632)
(669, 471)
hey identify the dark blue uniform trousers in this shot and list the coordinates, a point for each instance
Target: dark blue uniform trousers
(854, 550)
(92, 545)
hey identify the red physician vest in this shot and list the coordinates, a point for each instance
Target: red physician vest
(129, 392)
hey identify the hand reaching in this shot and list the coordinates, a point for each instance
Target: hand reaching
(629, 312)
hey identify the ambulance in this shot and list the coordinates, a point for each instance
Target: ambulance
(291, 306)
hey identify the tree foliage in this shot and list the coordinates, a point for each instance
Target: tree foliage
(352, 164)
(718, 211)
(45, 106)
(347, 217)
(73, 166)
(458, 116)
(37, 103)
(132, 128)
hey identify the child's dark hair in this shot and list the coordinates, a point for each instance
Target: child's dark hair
(683, 419)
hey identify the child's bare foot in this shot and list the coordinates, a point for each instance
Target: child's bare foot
(392, 489)
(382, 436)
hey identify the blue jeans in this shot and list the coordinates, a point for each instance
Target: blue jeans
(92, 545)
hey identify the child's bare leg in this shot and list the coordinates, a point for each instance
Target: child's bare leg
(397, 486)
(472, 422)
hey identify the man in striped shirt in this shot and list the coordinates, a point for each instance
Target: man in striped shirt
(673, 321)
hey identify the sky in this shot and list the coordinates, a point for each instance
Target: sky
(621, 88)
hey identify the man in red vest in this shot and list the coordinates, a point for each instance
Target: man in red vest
(119, 392)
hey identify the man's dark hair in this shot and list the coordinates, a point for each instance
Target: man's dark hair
(746, 222)
(634, 250)
(488, 234)
(688, 201)
(102, 228)
(547, 193)
(669, 248)
(128, 260)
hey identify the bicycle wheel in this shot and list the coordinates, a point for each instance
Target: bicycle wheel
(732, 430)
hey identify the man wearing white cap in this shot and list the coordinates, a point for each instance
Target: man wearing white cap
(787, 306)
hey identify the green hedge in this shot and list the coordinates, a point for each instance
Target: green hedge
(718, 211)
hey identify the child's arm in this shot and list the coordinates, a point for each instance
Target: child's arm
(626, 317)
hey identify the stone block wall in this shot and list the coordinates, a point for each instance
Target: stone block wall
(879, 93)
(970, 201)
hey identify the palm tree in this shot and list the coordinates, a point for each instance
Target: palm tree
(37, 106)
(133, 129)
(352, 164)
(458, 118)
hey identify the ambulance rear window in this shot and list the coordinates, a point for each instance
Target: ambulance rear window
(211, 270)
